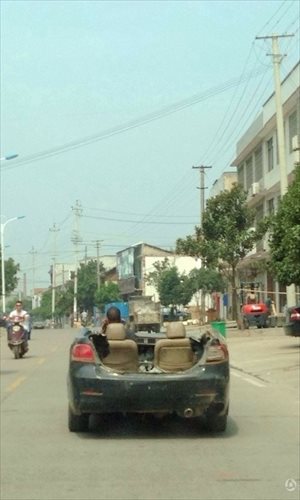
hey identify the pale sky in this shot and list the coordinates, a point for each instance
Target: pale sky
(112, 103)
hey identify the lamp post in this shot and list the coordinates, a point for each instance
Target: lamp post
(9, 157)
(3, 225)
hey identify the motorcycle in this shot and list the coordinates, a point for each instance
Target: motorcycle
(17, 339)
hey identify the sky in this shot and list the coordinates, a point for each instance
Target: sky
(109, 105)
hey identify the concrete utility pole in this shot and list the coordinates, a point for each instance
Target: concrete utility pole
(76, 239)
(277, 58)
(98, 244)
(202, 187)
(54, 229)
(33, 252)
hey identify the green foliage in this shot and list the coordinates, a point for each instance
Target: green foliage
(285, 236)
(87, 285)
(154, 277)
(11, 270)
(207, 280)
(173, 288)
(44, 311)
(226, 236)
(108, 292)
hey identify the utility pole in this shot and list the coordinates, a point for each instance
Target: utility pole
(76, 239)
(98, 244)
(33, 253)
(202, 187)
(277, 58)
(54, 229)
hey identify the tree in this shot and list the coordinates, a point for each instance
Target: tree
(173, 288)
(284, 236)
(108, 292)
(87, 285)
(11, 270)
(226, 236)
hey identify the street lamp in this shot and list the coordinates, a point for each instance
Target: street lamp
(9, 157)
(3, 225)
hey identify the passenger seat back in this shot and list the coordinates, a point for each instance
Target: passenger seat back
(174, 353)
(123, 353)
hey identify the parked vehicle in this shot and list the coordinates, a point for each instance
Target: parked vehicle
(255, 315)
(157, 373)
(144, 313)
(17, 338)
(38, 324)
(292, 324)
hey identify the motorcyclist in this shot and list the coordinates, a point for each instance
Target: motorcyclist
(19, 315)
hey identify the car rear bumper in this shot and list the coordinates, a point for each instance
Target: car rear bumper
(196, 391)
(292, 329)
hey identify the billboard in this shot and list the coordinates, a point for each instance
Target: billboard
(125, 261)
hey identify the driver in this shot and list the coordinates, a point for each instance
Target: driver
(21, 316)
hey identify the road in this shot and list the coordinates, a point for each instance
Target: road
(256, 458)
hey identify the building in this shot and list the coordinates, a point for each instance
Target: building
(132, 265)
(258, 171)
(137, 261)
(224, 183)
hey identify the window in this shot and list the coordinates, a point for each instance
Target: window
(240, 173)
(270, 153)
(292, 129)
(249, 173)
(271, 207)
(258, 164)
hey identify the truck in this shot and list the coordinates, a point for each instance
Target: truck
(144, 313)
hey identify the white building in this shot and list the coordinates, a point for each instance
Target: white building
(258, 168)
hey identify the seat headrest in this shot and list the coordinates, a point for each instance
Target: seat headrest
(115, 331)
(175, 330)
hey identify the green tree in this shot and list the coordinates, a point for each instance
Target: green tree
(108, 292)
(45, 309)
(226, 236)
(87, 285)
(154, 277)
(173, 288)
(285, 236)
(11, 269)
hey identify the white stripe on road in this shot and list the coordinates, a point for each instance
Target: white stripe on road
(246, 378)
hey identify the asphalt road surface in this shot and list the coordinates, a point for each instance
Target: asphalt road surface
(136, 458)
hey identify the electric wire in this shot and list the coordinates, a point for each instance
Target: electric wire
(167, 110)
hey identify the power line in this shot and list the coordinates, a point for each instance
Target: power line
(173, 108)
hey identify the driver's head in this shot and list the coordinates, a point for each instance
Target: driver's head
(113, 315)
(19, 305)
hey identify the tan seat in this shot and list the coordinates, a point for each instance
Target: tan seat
(123, 355)
(175, 352)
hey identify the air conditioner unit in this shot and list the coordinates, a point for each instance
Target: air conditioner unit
(255, 188)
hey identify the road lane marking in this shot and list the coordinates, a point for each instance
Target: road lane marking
(248, 379)
(15, 384)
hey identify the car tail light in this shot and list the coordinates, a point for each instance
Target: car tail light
(295, 314)
(83, 353)
(216, 353)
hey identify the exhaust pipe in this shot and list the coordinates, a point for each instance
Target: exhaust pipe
(188, 413)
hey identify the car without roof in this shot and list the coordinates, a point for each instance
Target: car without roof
(150, 373)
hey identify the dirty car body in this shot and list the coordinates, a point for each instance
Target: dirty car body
(199, 389)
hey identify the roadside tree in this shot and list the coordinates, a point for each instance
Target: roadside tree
(108, 292)
(11, 270)
(226, 236)
(285, 236)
